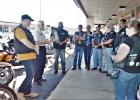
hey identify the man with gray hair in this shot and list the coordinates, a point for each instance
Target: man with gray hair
(26, 51)
(40, 61)
(107, 45)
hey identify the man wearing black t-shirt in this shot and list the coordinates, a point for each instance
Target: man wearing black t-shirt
(59, 47)
(107, 45)
(121, 34)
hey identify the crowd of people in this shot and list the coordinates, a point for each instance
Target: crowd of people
(114, 53)
(30, 49)
(97, 44)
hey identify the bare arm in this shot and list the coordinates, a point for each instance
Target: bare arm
(83, 37)
(51, 39)
(107, 42)
(21, 36)
(36, 35)
(66, 40)
(27, 43)
(30, 45)
(122, 53)
(43, 42)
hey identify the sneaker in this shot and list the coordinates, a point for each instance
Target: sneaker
(64, 72)
(43, 80)
(94, 69)
(79, 68)
(38, 83)
(20, 96)
(56, 71)
(104, 71)
(108, 74)
(88, 68)
(73, 68)
(100, 70)
(32, 94)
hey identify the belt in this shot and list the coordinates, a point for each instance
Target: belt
(108, 45)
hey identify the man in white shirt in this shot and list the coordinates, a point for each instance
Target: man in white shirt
(40, 61)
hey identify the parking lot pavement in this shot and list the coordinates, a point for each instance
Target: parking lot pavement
(47, 87)
(84, 85)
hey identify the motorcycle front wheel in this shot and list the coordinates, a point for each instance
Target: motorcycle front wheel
(6, 93)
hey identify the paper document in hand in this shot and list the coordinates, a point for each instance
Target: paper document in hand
(55, 35)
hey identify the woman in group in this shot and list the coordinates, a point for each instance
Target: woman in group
(127, 64)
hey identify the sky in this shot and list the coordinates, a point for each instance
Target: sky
(52, 11)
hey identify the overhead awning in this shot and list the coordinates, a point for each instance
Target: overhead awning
(102, 10)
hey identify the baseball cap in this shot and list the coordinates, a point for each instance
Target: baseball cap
(25, 16)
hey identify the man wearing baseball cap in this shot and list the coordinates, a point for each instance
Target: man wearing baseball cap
(25, 16)
(26, 51)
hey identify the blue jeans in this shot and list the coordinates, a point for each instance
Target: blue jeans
(26, 85)
(107, 62)
(87, 55)
(78, 54)
(61, 53)
(126, 85)
(97, 58)
(40, 62)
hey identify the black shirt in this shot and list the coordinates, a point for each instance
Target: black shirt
(120, 37)
(97, 37)
(130, 42)
(108, 36)
(62, 34)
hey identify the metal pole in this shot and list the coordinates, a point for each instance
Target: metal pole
(40, 9)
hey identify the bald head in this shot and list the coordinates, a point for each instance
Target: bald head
(60, 25)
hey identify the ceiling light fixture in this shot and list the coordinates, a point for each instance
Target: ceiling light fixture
(122, 8)
(114, 16)
(109, 19)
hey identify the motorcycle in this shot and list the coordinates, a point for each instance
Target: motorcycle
(6, 76)
(7, 53)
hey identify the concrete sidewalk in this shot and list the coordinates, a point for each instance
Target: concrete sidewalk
(84, 85)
